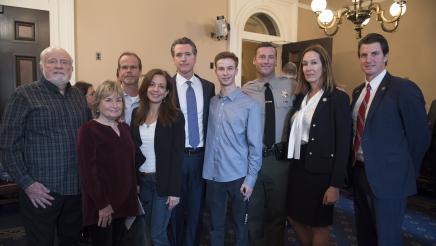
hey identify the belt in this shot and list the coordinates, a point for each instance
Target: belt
(193, 151)
(268, 152)
(148, 174)
(359, 163)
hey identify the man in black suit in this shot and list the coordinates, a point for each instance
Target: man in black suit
(193, 96)
(390, 140)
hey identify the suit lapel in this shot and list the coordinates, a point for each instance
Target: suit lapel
(322, 104)
(176, 91)
(381, 91)
(356, 94)
(205, 100)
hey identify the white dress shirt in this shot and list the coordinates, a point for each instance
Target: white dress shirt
(182, 86)
(374, 83)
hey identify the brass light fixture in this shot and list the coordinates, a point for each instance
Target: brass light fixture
(359, 13)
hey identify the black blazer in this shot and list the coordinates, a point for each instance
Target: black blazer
(329, 135)
(208, 93)
(169, 142)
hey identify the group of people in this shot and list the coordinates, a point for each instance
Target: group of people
(155, 154)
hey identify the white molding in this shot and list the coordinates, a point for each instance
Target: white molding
(61, 15)
(283, 12)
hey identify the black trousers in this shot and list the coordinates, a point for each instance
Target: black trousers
(111, 235)
(63, 216)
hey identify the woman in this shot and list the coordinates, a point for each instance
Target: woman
(158, 129)
(106, 156)
(88, 90)
(319, 145)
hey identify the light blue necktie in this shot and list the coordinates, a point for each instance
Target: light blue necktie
(191, 103)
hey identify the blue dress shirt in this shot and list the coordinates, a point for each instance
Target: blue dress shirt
(234, 142)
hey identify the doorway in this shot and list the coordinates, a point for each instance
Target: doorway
(24, 34)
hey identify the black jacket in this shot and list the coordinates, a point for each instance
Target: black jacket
(329, 135)
(169, 142)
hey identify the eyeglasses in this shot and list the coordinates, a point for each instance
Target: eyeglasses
(54, 62)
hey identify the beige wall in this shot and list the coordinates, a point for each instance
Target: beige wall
(145, 27)
(412, 46)
(149, 27)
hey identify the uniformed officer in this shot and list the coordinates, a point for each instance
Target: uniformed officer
(267, 210)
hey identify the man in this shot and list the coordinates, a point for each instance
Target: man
(390, 139)
(233, 152)
(38, 149)
(193, 96)
(128, 73)
(267, 213)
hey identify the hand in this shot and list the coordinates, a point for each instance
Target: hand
(172, 201)
(39, 195)
(105, 216)
(331, 196)
(246, 191)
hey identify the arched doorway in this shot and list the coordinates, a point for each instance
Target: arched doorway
(260, 21)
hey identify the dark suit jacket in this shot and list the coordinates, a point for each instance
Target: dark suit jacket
(169, 142)
(208, 93)
(329, 135)
(395, 137)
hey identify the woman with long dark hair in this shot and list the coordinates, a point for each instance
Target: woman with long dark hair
(158, 129)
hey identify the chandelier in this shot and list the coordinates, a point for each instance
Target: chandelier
(359, 14)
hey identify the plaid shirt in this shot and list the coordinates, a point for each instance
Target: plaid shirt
(38, 136)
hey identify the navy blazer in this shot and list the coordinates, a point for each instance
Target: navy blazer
(169, 142)
(329, 135)
(395, 137)
(208, 93)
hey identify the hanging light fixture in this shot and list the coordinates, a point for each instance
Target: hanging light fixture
(358, 14)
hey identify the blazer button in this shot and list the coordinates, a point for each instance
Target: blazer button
(310, 153)
(314, 125)
(313, 139)
(332, 155)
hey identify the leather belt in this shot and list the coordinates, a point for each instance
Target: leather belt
(193, 151)
(148, 174)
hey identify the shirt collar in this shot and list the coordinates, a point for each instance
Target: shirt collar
(182, 80)
(375, 82)
(232, 96)
(53, 87)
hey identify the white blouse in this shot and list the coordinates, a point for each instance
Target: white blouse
(147, 148)
(301, 125)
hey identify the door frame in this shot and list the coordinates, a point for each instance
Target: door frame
(283, 12)
(61, 19)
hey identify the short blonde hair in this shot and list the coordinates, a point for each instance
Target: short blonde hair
(104, 90)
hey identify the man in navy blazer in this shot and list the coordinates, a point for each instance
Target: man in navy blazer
(185, 221)
(387, 155)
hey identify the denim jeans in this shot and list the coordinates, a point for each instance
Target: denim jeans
(156, 210)
(217, 194)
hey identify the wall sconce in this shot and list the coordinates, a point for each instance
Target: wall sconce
(222, 28)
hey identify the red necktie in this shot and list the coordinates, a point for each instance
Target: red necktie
(360, 122)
